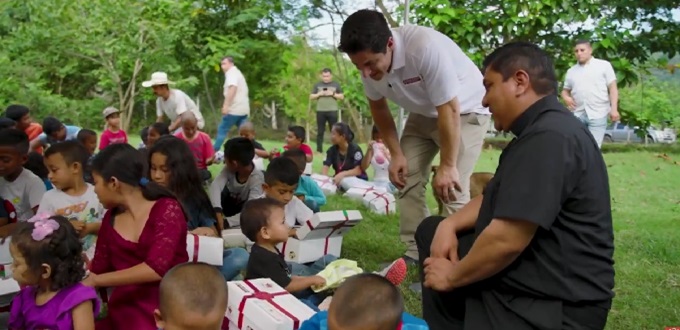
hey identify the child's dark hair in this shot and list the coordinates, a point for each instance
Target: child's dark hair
(192, 287)
(299, 132)
(15, 138)
(344, 130)
(144, 135)
(255, 215)
(184, 178)
(36, 164)
(127, 164)
(16, 112)
(367, 299)
(240, 150)
(61, 250)
(51, 125)
(160, 128)
(283, 170)
(84, 134)
(71, 151)
(298, 156)
(374, 131)
(7, 123)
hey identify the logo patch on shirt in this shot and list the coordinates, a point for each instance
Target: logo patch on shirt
(357, 155)
(412, 80)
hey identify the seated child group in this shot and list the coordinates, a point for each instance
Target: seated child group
(100, 234)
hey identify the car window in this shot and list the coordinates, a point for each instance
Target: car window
(620, 126)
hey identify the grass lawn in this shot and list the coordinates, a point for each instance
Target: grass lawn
(645, 193)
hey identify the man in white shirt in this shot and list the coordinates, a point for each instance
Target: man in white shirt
(236, 106)
(428, 75)
(172, 102)
(590, 90)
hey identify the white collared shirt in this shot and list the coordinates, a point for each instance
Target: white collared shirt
(588, 84)
(428, 70)
(178, 103)
(240, 105)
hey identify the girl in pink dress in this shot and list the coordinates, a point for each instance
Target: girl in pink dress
(143, 235)
(48, 263)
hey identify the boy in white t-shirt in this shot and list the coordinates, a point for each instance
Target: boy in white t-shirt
(19, 186)
(72, 197)
(280, 182)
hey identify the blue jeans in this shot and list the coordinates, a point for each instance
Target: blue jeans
(597, 126)
(314, 206)
(234, 261)
(225, 125)
(308, 296)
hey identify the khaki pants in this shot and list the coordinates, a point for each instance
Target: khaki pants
(420, 143)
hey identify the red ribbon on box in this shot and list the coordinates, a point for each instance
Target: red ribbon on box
(194, 258)
(269, 297)
(335, 228)
(387, 202)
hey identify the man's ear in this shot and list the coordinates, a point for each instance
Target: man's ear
(160, 324)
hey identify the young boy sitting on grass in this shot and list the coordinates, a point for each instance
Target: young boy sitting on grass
(192, 296)
(263, 221)
(365, 302)
(307, 190)
(280, 183)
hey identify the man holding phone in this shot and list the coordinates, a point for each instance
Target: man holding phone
(328, 93)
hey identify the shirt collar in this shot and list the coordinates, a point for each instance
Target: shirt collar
(399, 51)
(547, 103)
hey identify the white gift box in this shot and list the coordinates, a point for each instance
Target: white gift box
(262, 304)
(259, 163)
(205, 249)
(325, 183)
(234, 238)
(8, 286)
(380, 202)
(320, 235)
(359, 193)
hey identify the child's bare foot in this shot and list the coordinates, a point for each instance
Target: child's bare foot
(395, 272)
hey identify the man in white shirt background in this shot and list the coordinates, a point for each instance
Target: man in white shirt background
(590, 90)
(427, 74)
(171, 102)
(236, 106)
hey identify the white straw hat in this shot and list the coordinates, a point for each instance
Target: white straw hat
(157, 78)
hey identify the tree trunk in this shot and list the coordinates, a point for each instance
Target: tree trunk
(208, 94)
(273, 117)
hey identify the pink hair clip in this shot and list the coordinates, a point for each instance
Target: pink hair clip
(43, 228)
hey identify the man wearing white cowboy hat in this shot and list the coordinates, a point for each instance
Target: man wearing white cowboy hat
(172, 102)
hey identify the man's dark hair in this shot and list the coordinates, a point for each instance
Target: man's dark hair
(240, 150)
(51, 125)
(283, 170)
(299, 132)
(526, 56)
(16, 111)
(582, 42)
(15, 138)
(255, 215)
(298, 156)
(365, 30)
(84, 134)
(367, 299)
(228, 58)
(326, 70)
(72, 151)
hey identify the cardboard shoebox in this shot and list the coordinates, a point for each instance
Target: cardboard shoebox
(205, 249)
(325, 183)
(358, 193)
(320, 235)
(380, 202)
(261, 304)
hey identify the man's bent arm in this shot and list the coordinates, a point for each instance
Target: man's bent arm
(566, 93)
(448, 124)
(160, 119)
(466, 217)
(613, 96)
(385, 123)
(495, 248)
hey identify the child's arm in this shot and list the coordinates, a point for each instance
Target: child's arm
(205, 231)
(262, 153)
(91, 228)
(215, 194)
(314, 193)
(324, 170)
(356, 171)
(366, 162)
(208, 151)
(83, 317)
(299, 283)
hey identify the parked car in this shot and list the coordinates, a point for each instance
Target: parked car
(619, 132)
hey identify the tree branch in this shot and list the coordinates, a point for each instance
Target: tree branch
(388, 16)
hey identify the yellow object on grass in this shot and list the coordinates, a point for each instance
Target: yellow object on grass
(336, 272)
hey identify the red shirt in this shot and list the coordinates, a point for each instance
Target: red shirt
(200, 146)
(304, 147)
(109, 137)
(33, 131)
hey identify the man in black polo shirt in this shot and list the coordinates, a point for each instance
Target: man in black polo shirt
(535, 250)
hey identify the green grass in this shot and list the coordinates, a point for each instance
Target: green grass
(645, 193)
